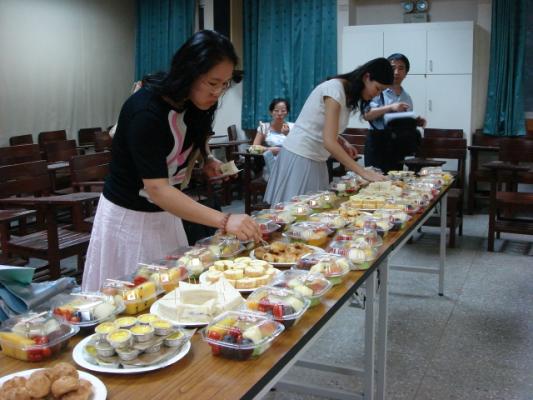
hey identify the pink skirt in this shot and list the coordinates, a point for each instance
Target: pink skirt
(122, 238)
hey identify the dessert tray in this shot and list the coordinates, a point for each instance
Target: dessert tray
(289, 252)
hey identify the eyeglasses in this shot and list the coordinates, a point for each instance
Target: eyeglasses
(217, 88)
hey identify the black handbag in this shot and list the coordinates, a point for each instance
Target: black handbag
(405, 138)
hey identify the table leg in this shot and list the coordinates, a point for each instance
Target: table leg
(370, 289)
(442, 253)
(381, 379)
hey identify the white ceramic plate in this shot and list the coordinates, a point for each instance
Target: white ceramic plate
(155, 310)
(99, 389)
(279, 264)
(203, 279)
(80, 357)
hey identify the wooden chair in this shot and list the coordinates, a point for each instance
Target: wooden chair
(357, 138)
(102, 141)
(51, 136)
(529, 125)
(89, 171)
(484, 146)
(86, 136)
(56, 242)
(254, 185)
(450, 149)
(511, 209)
(60, 150)
(21, 139)
(443, 133)
(19, 154)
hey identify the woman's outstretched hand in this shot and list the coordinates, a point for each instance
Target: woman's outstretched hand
(244, 227)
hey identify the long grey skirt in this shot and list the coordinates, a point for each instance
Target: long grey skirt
(293, 175)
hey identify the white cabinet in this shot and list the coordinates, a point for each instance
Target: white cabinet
(450, 51)
(441, 58)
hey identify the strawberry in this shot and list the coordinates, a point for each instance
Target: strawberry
(215, 349)
(277, 311)
(138, 279)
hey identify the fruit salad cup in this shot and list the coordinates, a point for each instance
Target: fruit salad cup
(333, 267)
(284, 305)
(311, 286)
(332, 219)
(194, 259)
(86, 309)
(136, 297)
(222, 246)
(359, 252)
(166, 274)
(241, 335)
(312, 233)
(35, 337)
(369, 235)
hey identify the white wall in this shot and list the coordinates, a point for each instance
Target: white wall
(66, 64)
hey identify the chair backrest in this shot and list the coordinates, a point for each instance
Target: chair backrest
(447, 149)
(25, 178)
(529, 125)
(21, 139)
(60, 151)
(86, 136)
(443, 133)
(516, 150)
(480, 139)
(89, 167)
(102, 141)
(356, 131)
(51, 136)
(356, 137)
(19, 154)
(232, 132)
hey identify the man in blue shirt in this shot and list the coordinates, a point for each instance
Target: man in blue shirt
(380, 151)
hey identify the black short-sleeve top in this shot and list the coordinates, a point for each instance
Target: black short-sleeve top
(150, 142)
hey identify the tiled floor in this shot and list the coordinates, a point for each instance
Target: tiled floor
(474, 343)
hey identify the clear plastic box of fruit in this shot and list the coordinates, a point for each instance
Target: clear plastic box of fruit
(137, 295)
(398, 218)
(222, 246)
(241, 335)
(370, 222)
(333, 267)
(195, 259)
(267, 229)
(86, 309)
(332, 219)
(310, 285)
(370, 235)
(358, 251)
(345, 186)
(35, 336)
(165, 273)
(323, 200)
(279, 217)
(284, 305)
(312, 233)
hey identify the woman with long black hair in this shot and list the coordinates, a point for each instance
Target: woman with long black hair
(162, 131)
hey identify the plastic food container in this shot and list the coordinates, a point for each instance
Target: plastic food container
(279, 217)
(369, 235)
(323, 200)
(332, 219)
(223, 246)
(332, 266)
(309, 285)
(137, 298)
(86, 309)
(312, 233)
(241, 335)
(359, 252)
(195, 259)
(267, 229)
(165, 274)
(284, 305)
(398, 218)
(35, 337)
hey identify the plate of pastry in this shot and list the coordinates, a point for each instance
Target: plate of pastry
(62, 379)
(283, 254)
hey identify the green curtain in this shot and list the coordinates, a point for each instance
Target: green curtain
(162, 27)
(289, 47)
(504, 115)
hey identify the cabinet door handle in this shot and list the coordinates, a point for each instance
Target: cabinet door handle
(430, 65)
(430, 105)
